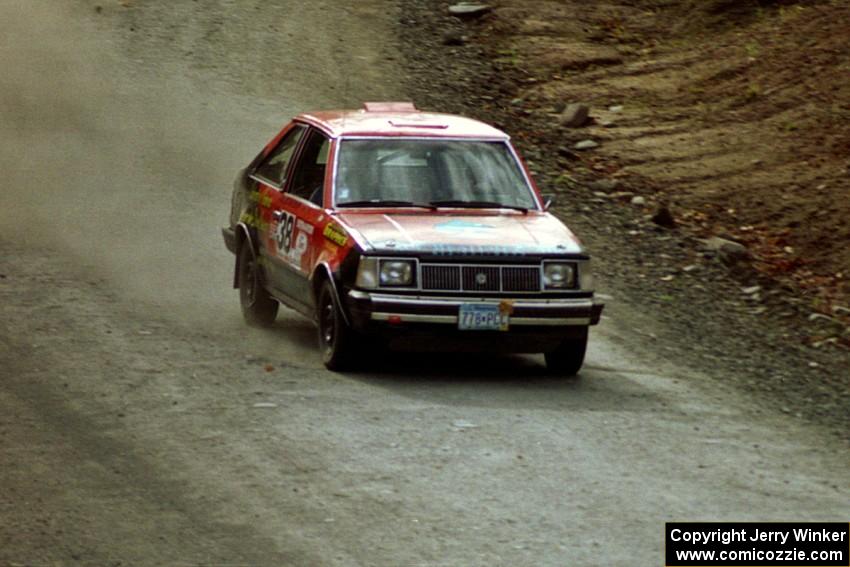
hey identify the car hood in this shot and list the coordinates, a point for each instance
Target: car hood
(474, 233)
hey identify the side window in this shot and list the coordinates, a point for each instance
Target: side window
(273, 169)
(309, 175)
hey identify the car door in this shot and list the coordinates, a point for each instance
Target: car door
(295, 215)
(271, 176)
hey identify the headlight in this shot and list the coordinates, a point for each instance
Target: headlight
(373, 273)
(559, 275)
(396, 272)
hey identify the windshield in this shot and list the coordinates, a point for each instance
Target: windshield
(399, 172)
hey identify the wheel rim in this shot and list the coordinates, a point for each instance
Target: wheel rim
(328, 323)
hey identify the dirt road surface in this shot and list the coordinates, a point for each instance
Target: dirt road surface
(142, 423)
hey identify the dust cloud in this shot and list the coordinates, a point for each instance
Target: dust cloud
(128, 184)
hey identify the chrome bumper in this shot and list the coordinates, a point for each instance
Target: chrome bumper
(444, 310)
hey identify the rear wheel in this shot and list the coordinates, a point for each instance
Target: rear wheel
(567, 359)
(336, 339)
(258, 308)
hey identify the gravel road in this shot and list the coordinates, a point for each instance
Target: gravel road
(142, 423)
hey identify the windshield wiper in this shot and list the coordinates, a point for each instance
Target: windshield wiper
(385, 203)
(477, 205)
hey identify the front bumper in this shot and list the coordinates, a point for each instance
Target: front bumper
(534, 319)
(556, 312)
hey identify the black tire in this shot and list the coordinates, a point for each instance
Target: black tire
(568, 358)
(258, 308)
(336, 339)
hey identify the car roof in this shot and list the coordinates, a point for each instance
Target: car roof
(398, 120)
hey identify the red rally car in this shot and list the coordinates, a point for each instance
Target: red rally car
(395, 226)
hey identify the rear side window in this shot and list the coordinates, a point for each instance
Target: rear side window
(273, 169)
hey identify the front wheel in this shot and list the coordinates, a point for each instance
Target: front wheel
(336, 338)
(258, 308)
(567, 359)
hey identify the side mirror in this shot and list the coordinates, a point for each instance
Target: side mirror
(548, 202)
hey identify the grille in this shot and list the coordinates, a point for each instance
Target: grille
(521, 279)
(454, 277)
(441, 277)
(477, 278)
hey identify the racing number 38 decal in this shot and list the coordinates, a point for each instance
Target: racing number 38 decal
(283, 232)
(290, 235)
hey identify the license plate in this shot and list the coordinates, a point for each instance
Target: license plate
(482, 317)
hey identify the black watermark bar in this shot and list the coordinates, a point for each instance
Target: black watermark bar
(757, 544)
